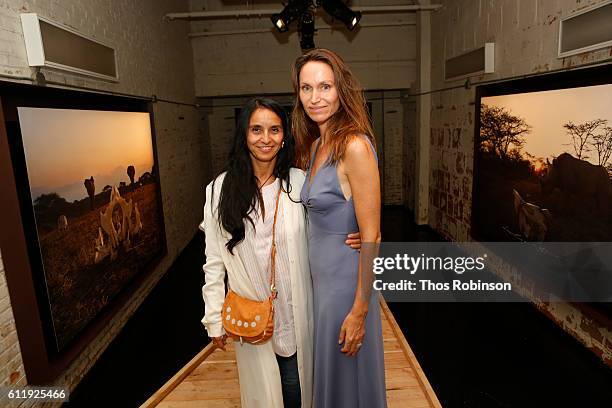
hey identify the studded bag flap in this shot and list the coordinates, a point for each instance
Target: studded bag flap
(247, 320)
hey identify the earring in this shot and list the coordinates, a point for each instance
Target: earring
(283, 144)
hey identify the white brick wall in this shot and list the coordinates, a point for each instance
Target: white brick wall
(525, 36)
(409, 153)
(11, 366)
(220, 120)
(154, 57)
(383, 57)
(257, 63)
(393, 150)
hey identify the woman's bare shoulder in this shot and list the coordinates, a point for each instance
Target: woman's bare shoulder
(358, 148)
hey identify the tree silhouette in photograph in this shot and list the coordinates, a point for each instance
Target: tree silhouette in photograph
(50, 201)
(585, 137)
(502, 133)
(131, 171)
(601, 143)
(47, 208)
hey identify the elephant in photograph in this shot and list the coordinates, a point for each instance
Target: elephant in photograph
(579, 182)
(145, 178)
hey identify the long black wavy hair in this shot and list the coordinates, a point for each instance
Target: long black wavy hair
(240, 192)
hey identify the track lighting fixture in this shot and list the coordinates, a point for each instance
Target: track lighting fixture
(307, 30)
(339, 10)
(304, 12)
(292, 11)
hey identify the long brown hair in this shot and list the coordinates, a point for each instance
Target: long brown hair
(351, 118)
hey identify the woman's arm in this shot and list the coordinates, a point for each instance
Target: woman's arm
(361, 170)
(213, 290)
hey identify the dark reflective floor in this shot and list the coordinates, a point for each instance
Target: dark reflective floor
(474, 355)
(164, 334)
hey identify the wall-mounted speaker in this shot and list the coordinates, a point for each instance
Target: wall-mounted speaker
(50, 44)
(586, 30)
(478, 61)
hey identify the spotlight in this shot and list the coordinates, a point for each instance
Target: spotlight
(281, 24)
(307, 30)
(293, 10)
(339, 10)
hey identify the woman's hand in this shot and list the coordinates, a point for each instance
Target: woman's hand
(354, 240)
(220, 341)
(352, 332)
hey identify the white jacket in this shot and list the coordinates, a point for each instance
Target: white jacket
(260, 385)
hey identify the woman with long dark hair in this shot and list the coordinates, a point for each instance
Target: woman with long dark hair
(240, 215)
(342, 193)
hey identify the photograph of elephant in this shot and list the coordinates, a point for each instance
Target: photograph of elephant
(543, 166)
(95, 196)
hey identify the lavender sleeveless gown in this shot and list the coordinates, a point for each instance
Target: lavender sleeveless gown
(339, 381)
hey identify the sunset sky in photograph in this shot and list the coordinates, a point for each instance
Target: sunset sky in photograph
(65, 146)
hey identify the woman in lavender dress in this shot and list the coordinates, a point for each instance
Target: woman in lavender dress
(341, 192)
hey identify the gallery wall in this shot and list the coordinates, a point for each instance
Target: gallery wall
(234, 57)
(219, 116)
(525, 36)
(154, 58)
(245, 55)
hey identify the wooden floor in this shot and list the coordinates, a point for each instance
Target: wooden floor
(210, 379)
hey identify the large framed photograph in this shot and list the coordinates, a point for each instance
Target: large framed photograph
(542, 164)
(543, 161)
(85, 182)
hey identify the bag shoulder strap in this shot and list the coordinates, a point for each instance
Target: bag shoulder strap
(273, 290)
